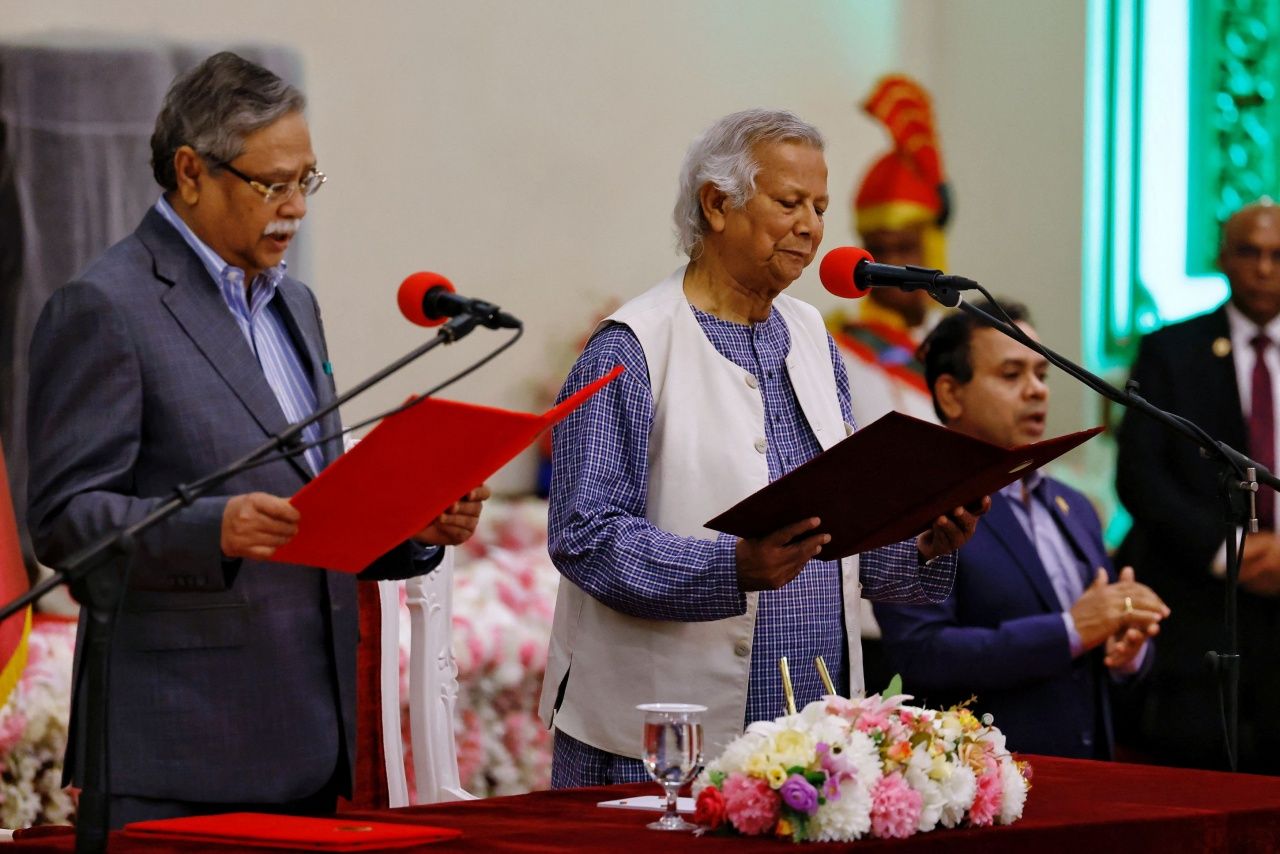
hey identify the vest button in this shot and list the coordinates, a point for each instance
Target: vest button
(752, 382)
(742, 649)
(761, 444)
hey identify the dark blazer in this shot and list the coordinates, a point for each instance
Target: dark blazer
(1001, 636)
(1172, 494)
(1170, 490)
(232, 681)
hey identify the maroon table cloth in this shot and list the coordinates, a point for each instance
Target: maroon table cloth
(1075, 805)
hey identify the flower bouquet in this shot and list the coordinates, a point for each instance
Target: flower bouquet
(33, 731)
(843, 769)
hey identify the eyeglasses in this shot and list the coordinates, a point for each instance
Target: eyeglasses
(284, 190)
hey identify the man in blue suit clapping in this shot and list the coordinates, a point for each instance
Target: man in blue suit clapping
(1039, 626)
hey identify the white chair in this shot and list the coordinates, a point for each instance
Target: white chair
(433, 688)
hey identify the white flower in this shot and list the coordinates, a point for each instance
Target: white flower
(31, 771)
(845, 818)
(824, 727)
(734, 757)
(1014, 786)
(917, 776)
(864, 756)
(958, 791)
(996, 739)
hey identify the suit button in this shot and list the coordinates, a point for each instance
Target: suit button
(752, 382)
(742, 649)
(761, 445)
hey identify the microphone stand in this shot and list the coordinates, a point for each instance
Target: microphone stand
(1239, 478)
(103, 592)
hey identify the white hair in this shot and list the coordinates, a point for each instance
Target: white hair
(723, 156)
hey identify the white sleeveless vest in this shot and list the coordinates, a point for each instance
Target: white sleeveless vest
(706, 453)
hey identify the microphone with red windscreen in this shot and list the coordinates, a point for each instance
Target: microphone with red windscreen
(850, 272)
(429, 299)
(838, 269)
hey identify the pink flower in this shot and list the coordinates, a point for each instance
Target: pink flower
(895, 808)
(750, 804)
(529, 652)
(990, 797)
(12, 726)
(841, 707)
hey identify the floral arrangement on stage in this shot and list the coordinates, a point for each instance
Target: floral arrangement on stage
(33, 731)
(844, 769)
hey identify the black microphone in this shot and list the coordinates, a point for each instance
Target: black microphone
(428, 299)
(848, 271)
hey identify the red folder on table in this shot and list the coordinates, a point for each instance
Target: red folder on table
(888, 482)
(407, 471)
(260, 830)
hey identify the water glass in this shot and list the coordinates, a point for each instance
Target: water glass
(672, 753)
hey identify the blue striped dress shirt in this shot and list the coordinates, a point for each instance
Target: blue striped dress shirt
(600, 539)
(259, 319)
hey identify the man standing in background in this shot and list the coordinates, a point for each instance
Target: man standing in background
(1220, 370)
(899, 210)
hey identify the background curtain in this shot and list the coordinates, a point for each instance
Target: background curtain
(76, 116)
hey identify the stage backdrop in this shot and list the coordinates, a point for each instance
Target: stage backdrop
(528, 150)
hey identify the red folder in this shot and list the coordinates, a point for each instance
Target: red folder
(260, 830)
(888, 482)
(400, 477)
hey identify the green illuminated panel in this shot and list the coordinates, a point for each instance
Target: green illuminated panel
(1181, 128)
(1234, 69)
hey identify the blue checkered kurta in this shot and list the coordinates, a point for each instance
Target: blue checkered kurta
(601, 540)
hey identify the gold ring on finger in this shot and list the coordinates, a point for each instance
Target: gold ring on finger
(1128, 605)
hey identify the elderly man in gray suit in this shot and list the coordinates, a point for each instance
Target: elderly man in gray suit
(180, 349)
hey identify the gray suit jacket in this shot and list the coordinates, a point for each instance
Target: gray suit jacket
(231, 681)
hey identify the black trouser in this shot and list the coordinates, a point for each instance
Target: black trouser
(126, 809)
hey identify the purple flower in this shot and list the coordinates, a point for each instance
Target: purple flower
(799, 794)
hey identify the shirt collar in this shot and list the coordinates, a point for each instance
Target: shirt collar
(1243, 329)
(222, 272)
(1013, 491)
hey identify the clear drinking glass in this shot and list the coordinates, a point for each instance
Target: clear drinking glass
(672, 753)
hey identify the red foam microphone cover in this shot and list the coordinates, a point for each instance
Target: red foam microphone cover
(836, 271)
(412, 292)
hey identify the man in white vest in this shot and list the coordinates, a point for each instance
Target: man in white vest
(728, 385)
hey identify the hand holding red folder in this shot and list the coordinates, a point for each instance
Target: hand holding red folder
(457, 522)
(401, 477)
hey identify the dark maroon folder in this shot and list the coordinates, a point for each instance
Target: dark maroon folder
(888, 482)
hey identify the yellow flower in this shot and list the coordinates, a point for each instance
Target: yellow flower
(791, 747)
(757, 765)
(777, 775)
(783, 828)
(940, 769)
